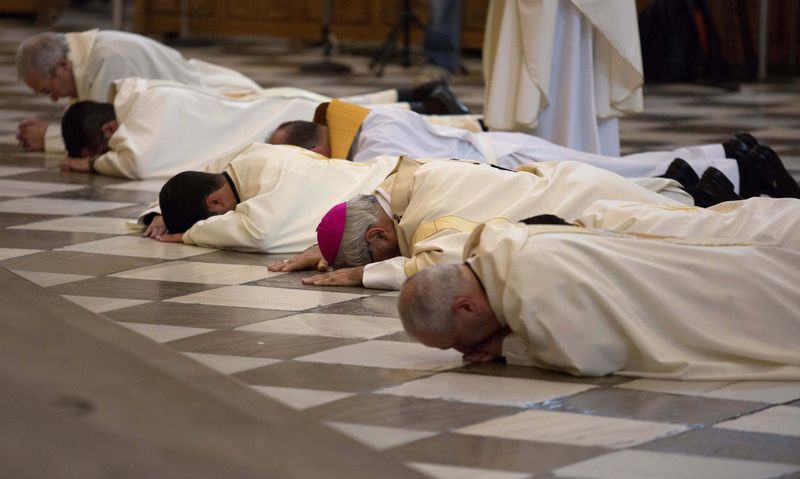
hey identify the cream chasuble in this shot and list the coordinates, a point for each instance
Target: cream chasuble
(774, 221)
(438, 204)
(593, 303)
(284, 192)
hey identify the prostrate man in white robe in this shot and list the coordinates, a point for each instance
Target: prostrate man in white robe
(268, 199)
(422, 214)
(592, 303)
(360, 134)
(563, 69)
(156, 128)
(83, 65)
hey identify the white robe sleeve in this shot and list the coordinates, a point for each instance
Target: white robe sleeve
(233, 230)
(153, 208)
(53, 141)
(388, 274)
(113, 163)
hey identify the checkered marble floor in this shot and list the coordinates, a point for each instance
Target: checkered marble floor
(339, 354)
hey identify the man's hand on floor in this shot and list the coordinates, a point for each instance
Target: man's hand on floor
(340, 277)
(171, 238)
(489, 350)
(156, 228)
(75, 164)
(309, 259)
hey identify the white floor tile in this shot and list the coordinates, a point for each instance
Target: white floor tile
(773, 392)
(15, 170)
(333, 325)
(265, 298)
(102, 305)
(197, 272)
(388, 354)
(57, 206)
(46, 280)
(477, 388)
(574, 429)
(301, 398)
(163, 333)
(658, 465)
(81, 224)
(775, 420)
(230, 364)
(441, 471)
(379, 437)
(17, 188)
(6, 253)
(139, 247)
(153, 185)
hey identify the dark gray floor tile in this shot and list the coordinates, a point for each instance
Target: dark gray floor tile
(408, 412)
(130, 288)
(650, 406)
(330, 377)
(194, 315)
(494, 453)
(107, 194)
(77, 263)
(752, 446)
(42, 239)
(247, 343)
(370, 306)
(13, 219)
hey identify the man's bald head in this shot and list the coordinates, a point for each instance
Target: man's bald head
(445, 307)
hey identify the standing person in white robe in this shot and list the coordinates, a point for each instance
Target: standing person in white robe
(422, 214)
(268, 199)
(83, 65)
(159, 128)
(563, 70)
(363, 134)
(592, 303)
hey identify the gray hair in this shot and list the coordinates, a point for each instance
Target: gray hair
(426, 302)
(363, 212)
(41, 53)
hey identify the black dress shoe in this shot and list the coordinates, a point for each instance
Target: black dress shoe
(747, 139)
(442, 101)
(680, 171)
(775, 181)
(739, 145)
(713, 188)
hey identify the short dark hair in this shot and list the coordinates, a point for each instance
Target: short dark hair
(82, 125)
(304, 134)
(546, 219)
(183, 199)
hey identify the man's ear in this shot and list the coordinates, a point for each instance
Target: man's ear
(463, 304)
(376, 234)
(109, 128)
(321, 150)
(215, 202)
